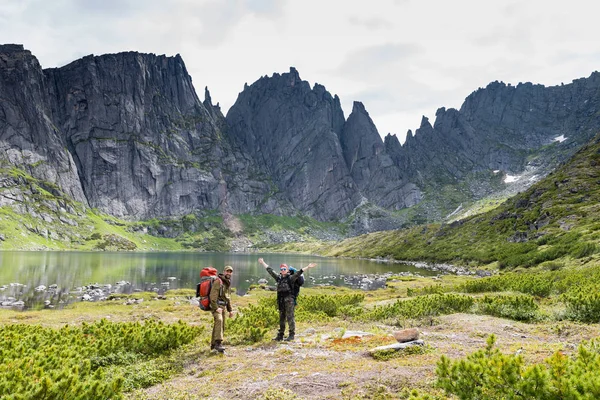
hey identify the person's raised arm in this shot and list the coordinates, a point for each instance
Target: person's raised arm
(269, 270)
(301, 271)
(311, 265)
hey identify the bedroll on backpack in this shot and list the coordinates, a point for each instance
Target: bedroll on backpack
(207, 277)
(299, 282)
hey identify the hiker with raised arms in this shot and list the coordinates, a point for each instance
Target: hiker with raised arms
(285, 296)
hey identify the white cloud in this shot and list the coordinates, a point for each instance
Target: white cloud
(400, 58)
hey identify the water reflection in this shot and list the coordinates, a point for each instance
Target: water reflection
(46, 279)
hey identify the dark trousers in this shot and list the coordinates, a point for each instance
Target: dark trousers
(286, 312)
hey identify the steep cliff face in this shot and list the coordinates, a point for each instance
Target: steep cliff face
(371, 167)
(293, 131)
(143, 142)
(31, 149)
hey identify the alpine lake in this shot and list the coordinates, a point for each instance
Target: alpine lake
(34, 280)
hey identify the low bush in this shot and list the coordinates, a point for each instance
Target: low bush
(420, 307)
(517, 307)
(252, 323)
(489, 374)
(329, 304)
(38, 362)
(537, 284)
(583, 304)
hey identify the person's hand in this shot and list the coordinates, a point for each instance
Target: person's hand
(261, 261)
(230, 314)
(311, 265)
(219, 310)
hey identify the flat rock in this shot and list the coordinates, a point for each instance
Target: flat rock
(397, 346)
(349, 334)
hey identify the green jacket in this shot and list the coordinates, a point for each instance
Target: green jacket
(220, 293)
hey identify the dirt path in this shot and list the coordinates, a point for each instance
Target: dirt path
(316, 367)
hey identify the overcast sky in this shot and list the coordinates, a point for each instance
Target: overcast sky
(401, 58)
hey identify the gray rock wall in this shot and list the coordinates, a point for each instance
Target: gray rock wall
(293, 131)
(29, 138)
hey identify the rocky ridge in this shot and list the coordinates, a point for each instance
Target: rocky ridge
(126, 134)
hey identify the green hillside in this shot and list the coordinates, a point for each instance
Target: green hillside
(554, 223)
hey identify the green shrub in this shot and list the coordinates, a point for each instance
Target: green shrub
(431, 289)
(582, 250)
(517, 307)
(536, 284)
(252, 323)
(38, 362)
(420, 307)
(328, 304)
(489, 374)
(583, 304)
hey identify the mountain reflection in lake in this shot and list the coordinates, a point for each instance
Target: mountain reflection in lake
(48, 279)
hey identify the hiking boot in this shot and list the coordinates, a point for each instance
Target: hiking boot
(290, 338)
(279, 337)
(212, 346)
(219, 347)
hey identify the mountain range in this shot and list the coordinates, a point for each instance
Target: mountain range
(127, 136)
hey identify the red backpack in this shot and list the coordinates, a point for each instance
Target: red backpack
(207, 277)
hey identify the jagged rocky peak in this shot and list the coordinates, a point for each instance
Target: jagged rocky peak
(207, 99)
(391, 141)
(214, 110)
(293, 131)
(393, 147)
(424, 127)
(371, 167)
(360, 138)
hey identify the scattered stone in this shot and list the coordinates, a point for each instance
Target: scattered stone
(406, 335)
(310, 331)
(397, 346)
(349, 334)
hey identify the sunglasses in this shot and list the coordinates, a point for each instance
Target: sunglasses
(283, 269)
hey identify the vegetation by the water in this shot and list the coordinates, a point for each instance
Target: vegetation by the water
(135, 359)
(554, 223)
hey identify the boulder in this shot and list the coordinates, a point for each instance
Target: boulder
(406, 335)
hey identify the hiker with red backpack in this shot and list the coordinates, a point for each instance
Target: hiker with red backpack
(286, 302)
(214, 291)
